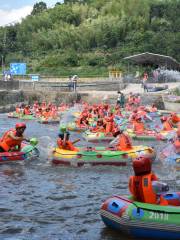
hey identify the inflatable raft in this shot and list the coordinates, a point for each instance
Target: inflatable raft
(48, 121)
(143, 220)
(76, 114)
(28, 151)
(171, 158)
(151, 135)
(99, 156)
(96, 137)
(13, 115)
(20, 116)
(72, 126)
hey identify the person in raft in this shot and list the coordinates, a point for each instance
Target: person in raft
(144, 186)
(12, 139)
(63, 141)
(122, 141)
(176, 141)
(166, 123)
(138, 125)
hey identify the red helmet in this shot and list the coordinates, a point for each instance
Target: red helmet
(142, 166)
(20, 125)
(178, 132)
(164, 118)
(138, 117)
(85, 114)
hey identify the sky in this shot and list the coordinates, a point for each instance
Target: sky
(14, 10)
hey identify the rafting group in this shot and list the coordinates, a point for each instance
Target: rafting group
(42, 112)
(151, 210)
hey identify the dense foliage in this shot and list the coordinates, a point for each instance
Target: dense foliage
(88, 36)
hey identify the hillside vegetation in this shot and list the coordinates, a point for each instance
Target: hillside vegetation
(88, 37)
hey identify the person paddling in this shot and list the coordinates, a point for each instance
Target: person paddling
(63, 141)
(12, 139)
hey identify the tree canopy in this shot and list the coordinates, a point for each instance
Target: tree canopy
(90, 35)
(39, 8)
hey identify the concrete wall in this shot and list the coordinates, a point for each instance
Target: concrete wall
(63, 86)
(9, 99)
(10, 85)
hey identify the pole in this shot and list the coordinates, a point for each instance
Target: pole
(2, 63)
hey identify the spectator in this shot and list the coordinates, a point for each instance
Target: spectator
(118, 98)
(74, 80)
(145, 87)
(121, 99)
(70, 84)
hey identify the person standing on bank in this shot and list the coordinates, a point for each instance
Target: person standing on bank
(121, 99)
(70, 85)
(74, 80)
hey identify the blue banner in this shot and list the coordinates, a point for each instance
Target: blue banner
(18, 68)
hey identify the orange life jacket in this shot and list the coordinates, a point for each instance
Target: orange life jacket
(17, 110)
(167, 126)
(27, 111)
(124, 143)
(46, 114)
(175, 119)
(99, 129)
(53, 114)
(7, 142)
(139, 127)
(177, 145)
(109, 127)
(68, 145)
(141, 188)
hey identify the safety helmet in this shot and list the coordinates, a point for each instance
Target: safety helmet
(142, 165)
(62, 128)
(20, 125)
(178, 132)
(163, 118)
(138, 118)
(33, 141)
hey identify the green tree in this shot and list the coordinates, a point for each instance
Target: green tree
(39, 8)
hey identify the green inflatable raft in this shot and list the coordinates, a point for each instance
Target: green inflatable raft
(142, 220)
(99, 156)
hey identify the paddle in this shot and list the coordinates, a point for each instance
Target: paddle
(77, 140)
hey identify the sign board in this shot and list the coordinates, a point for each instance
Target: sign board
(34, 78)
(18, 68)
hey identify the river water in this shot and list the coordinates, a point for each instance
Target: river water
(41, 201)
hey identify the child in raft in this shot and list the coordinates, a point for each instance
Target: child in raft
(176, 142)
(166, 122)
(63, 141)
